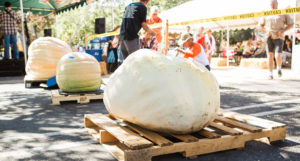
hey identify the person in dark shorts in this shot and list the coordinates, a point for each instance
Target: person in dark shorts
(274, 27)
(134, 18)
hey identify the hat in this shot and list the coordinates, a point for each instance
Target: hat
(184, 38)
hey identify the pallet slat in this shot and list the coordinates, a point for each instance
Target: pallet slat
(154, 137)
(124, 135)
(251, 120)
(185, 138)
(225, 129)
(209, 134)
(238, 124)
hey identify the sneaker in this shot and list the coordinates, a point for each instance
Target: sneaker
(279, 73)
(270, 77)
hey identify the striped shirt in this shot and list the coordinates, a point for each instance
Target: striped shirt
(7, 23)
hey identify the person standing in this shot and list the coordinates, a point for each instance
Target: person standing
(154, 19)
(210, 44)
(134, 19)
(112, 58)
(9, 20)
(274, 27)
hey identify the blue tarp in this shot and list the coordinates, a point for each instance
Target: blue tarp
(99, 40)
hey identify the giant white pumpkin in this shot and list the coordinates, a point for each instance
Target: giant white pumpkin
(78, 72)
(44, 54)
(164, 94)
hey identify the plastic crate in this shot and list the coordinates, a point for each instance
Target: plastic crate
(97, 53)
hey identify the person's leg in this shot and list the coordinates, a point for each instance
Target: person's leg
(133, 45)
(6, 44)
(109, 68)
(115, 65)
(124, 50)
(15, 54)
(283, 57)
(207, 67)
(271, 48)
(279, 45)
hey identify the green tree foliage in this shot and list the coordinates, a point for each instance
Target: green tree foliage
(166, 4)
(68, 22)
(235, 37)
(83, 18)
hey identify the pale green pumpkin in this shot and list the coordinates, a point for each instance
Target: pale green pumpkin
(78, 72)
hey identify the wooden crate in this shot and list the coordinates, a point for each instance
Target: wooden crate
(103, 68)
(230, 130)
(218, 62)
(256, 63)
(57, 98)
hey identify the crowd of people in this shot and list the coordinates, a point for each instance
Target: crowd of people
(200, 47)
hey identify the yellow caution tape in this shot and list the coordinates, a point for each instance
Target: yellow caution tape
(224, 18)
(102, 35)
(241, 16)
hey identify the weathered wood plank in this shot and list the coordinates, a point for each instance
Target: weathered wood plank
(153, 136)
(106, 137)
(123, 134)
(251, 119)
(225, 129)
(204, 146)
(209, 134)
(238, 124)
(185, 138)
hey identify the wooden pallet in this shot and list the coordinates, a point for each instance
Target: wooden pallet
(230, 130)
(57, 98)
(35, 83)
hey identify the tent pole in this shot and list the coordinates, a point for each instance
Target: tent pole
(23, 32)
(167, 38)
(294, 41)
(227, 48)
(56, 26)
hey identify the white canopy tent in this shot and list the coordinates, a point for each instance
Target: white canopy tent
(202, 9)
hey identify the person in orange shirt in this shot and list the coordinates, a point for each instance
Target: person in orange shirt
(194, 50)
(153, 20)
